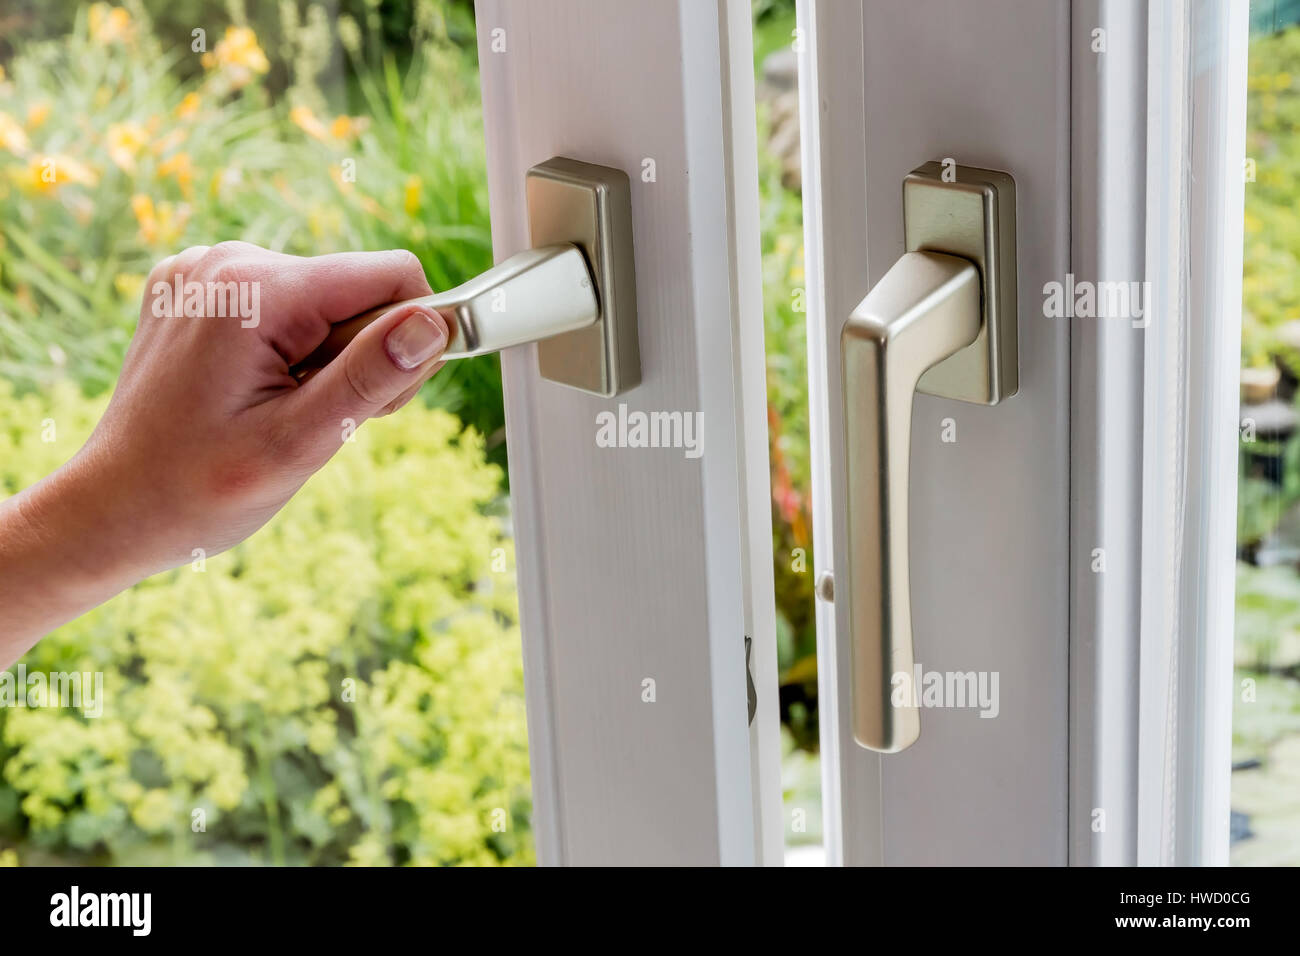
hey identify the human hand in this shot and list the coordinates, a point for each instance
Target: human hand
(208, 434)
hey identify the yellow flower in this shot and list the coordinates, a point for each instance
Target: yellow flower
(124, 141)
(37, 114)
(142, 206)
(161, 224)
(44, 174)
(340, 128)
(129, 285)
(238, 56)
(411, 200)
(12, 135)
(181, 168)
(346, 127)
(188, 106)
(110, 24)
(307, 121)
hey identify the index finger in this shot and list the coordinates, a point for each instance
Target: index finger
(309, 295)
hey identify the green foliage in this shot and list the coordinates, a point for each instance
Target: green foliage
(1268, 612)
(1271, 281)
(345, 686)
(774, 23)
(1261, 502)
(1264, 711)
(1258, 509)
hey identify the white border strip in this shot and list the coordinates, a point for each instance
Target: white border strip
(1108, 141)
(1220, 33)
(1163, 417)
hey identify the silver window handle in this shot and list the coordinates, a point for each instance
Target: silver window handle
(941, 320)
(551, 288)
(574, 291)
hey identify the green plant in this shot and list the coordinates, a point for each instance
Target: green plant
(774, 23)
(346, 686)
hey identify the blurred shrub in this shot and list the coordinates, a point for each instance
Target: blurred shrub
(1271, 282)
(345, 686)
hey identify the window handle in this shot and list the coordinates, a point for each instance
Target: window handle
(574, 291)
(941, 320)
(551, 289)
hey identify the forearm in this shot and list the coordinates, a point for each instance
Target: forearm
(62, 552)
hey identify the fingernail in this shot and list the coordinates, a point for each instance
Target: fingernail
(418, 338)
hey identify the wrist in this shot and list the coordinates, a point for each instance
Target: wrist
(62, 552)
(97, 527)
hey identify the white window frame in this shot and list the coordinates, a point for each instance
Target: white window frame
(638, 564)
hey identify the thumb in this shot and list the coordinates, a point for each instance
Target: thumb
(389, 356)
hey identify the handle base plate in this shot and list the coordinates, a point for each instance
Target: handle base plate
(974, 217)
(591, 207)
